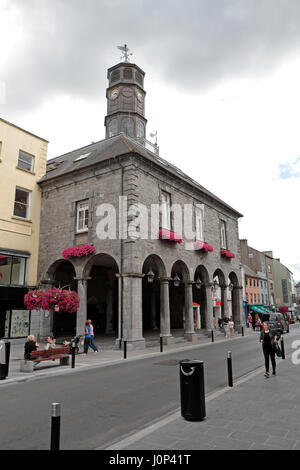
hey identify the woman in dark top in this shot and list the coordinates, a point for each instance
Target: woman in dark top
(30, 346)
(268, 338)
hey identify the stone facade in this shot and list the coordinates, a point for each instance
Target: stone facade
(120, 175)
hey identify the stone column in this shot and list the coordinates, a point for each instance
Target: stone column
(209, 309)
(82, 310)
(132, 311)
(224, 301)
(165, 328)
(237, 307)
(189, 332)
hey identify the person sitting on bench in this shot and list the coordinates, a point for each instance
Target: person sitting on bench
(30, 346)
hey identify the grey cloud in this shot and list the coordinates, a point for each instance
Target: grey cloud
(195, 44)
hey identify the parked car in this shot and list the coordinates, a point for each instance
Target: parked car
(278, 323)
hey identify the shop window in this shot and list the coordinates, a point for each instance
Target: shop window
(12, 270)
(17, 323)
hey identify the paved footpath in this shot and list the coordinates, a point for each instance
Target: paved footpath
(256, 414)
(107, 355)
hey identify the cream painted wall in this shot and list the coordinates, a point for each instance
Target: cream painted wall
(20, 234)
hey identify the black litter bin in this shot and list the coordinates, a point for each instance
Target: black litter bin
(4, 359)
(192, 390)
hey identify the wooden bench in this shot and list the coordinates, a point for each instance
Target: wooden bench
(63, 354)
(51, 354)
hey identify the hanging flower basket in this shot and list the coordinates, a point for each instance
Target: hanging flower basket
(78, 251)
(168, 235)
(227, 254)
(52, 299)
(202, 246)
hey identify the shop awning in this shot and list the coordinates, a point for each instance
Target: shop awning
(265, 309)
(256, 309)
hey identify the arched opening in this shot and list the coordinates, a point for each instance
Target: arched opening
(153, 270)
(179, 275)
(102, 294)
(199, 297)
(62, 274)
(219, 297)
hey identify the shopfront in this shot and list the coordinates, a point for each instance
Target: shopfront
(14, 318)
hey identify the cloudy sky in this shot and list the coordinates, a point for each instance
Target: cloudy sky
(222, 82)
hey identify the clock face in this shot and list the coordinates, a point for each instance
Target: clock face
(139, 96)
(114, 93)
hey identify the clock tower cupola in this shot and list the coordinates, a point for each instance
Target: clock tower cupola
(126, 100)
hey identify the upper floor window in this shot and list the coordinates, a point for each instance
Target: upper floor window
(12, 270)
(165, 210)
(250, 282)
(22, 203)
(127, 73)
(113, 127)
(199, 214)
(269, 268)
(139, 78)
(223, 235)
(140, 129)
(82, 220)
(115, 76)
(25, 161)
(254, 284)
(127, 126)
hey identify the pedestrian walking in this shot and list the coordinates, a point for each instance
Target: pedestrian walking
(88, 339)
(92, 336)
(231, 327)
(226, 326)
(268, 339)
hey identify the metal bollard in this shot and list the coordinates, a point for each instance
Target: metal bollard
(212, 336)
(282, 349)
(243, 331)
(161, 344)
(229, 368)
(73, 357)
(55, 426)
(125, 349)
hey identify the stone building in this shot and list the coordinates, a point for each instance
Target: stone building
(119, 195)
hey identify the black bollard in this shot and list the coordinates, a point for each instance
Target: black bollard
(73, 357)
(282, 349)
(212, 336)
(243, 331)
(55, 426)
(229, 368)
(125, 349)
(161, 344)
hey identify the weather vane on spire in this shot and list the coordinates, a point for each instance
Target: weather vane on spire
(125, 51)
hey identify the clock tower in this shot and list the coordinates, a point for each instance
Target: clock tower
(126, 100)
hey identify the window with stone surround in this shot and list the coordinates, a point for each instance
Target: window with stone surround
(223, 235)
(165, 210)
(82, 217)
(199, 217)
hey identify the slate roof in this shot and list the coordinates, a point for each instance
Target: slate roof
(111, 148)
